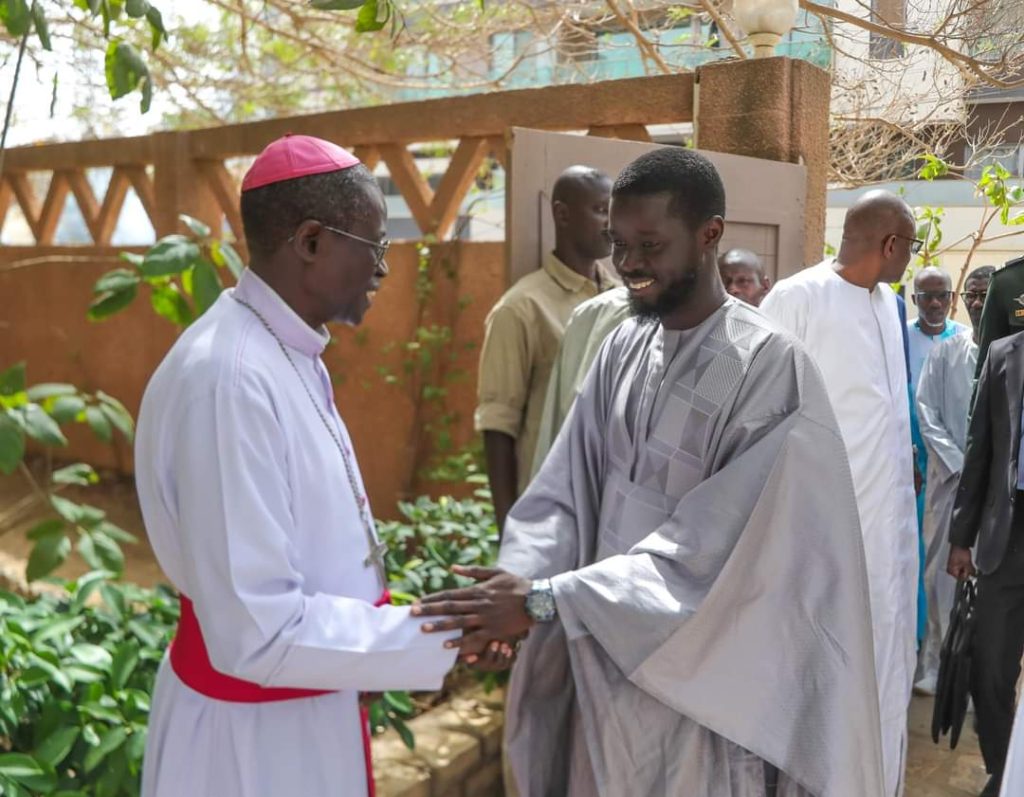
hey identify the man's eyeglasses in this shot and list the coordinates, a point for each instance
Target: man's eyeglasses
(973, 296)
(932, 296)
(915, 243)
(380, 248)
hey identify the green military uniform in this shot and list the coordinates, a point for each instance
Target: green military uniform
(1004, 308)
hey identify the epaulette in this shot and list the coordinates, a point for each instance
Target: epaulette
(1017, 261)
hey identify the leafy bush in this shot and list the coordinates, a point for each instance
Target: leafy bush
(38, 413)
(181, 272)
(436, 534)
(76, 675)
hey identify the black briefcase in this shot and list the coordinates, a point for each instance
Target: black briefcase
(952, 692)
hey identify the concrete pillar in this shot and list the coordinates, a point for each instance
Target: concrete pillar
(180, 187)
(774, 108)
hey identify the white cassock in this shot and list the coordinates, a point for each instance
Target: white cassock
(944, 392)
(855, 338)
(251, 515)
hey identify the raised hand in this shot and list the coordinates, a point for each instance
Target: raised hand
(492, 610)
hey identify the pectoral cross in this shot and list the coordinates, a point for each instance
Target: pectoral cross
(375, 559)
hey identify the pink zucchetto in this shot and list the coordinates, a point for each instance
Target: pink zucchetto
(296, 156)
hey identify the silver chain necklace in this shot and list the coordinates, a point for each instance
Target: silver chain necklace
(377, 548)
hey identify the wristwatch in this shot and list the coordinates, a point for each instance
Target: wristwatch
(540, 602)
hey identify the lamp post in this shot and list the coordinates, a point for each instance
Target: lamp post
(765, 22)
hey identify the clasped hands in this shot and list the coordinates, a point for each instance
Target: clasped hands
(491, 615)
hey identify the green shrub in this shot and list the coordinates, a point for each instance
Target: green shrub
(76, 676)
(434, 535)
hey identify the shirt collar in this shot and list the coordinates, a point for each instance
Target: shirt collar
(573, 281)
(284, 321)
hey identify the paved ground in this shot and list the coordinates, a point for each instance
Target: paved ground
(933, 770)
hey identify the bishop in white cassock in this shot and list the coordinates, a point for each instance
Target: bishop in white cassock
(254, 504)
(847, 317)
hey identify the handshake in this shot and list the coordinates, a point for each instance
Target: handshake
(491, 615)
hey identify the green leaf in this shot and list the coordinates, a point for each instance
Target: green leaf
(83, 674)
(136, 8)
(56, 628)
(373, 16)
(57, 745)
(399, 701)
(117, 280)
(40, 426)
(170, 304)
(48, 390)
(85, 586)
(108, 552)
(170, 255)
(77, 514)
(121, 418)
(116, 533)
(198, 228)
(109, 742)
(404, 732)
(46, 529)
(121, 421)
(225, 256)
(110, 303)
(156, 26)
(102, 713)
(99, 423)
(136, 746)
(42, 27)
(92, 655)
(12, 381)
(28, 772)
(206, 286)
(126, 658)
(12, 443)
(336, 5)
(16, 16)
(47, 555)
(80, 474)
(127, 72)
(52, 672)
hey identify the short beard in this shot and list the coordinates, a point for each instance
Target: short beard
(677, 293)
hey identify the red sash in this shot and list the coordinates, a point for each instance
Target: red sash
(191, 663)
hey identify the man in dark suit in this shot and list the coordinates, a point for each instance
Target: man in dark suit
(987, 517)
(1004, 308)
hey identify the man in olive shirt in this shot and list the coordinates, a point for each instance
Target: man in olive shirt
(525, 327)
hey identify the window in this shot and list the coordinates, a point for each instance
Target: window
(893, 14)
(1009, 156)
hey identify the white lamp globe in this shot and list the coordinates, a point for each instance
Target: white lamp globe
(765, 22)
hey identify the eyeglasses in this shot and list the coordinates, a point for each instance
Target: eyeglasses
(915, 243)
(380, 248)
(974, 296)
(931, 296)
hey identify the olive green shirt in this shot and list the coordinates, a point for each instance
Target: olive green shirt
(522, 335)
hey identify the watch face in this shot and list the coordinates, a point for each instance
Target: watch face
(540, 605)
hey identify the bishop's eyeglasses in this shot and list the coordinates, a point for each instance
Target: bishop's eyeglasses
(380, 248)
